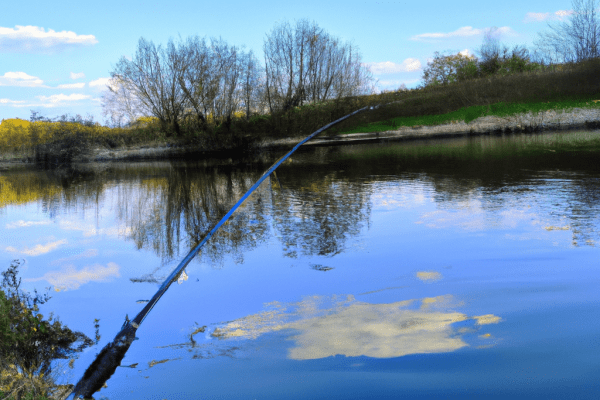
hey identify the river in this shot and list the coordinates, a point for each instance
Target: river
(463, 268)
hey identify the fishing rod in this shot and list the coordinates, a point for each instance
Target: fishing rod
(110, 356)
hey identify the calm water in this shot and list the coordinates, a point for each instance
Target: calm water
(436, 270)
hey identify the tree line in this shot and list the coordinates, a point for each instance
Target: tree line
(573, 41)
(204, 85)
(207, 82)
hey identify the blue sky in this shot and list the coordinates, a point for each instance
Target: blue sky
(56, 56)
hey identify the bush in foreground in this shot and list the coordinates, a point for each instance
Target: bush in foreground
(29, 343)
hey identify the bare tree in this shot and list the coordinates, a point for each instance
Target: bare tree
(351, 76)
(303, 63)
(120, 104)
(228, 65)
(491, 52)
(210, 82)
(152, 76)
(199, 81)
(218, 79)
(495, 58)
(576, 40)
(279, 66)
(490, 48)
(251, 84)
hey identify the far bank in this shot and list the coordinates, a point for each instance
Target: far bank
(544, 121)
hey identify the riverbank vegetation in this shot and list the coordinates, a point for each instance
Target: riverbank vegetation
(29, 343)
(468, 114)
(561, 87)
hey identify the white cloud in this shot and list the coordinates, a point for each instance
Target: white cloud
(34, 39)
(24, 224)
(71, 86)
(388, 85)
(100, 83)
(562, 14)
(466, 52)
(388, 67)
(20, 79)
(538, 17)
(38, 249)
(77, 75)
(56, 100)
(487, 319)
(70, 278)
(465, 31)
(15, 103)
(24, 80)
(59, 99)
(531, 17)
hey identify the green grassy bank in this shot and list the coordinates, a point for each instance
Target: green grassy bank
(554, 86)
(468, 114)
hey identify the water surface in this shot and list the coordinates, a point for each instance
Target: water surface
(454, 269)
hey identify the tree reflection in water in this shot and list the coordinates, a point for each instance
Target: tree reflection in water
(315, 213)
(169, 207)
(311, 213)
(172, 212)
(320, 200)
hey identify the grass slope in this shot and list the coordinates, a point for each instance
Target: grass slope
(468, 114)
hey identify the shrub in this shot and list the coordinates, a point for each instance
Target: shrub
(28, 342)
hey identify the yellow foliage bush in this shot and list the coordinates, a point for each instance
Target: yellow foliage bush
(22, 136)
(14, 133)
(145, 121)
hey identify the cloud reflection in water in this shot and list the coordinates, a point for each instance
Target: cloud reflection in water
(70, 278)
(38, 249)
(353, 328)
(429, 276)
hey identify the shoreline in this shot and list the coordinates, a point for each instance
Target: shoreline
(546, 121)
